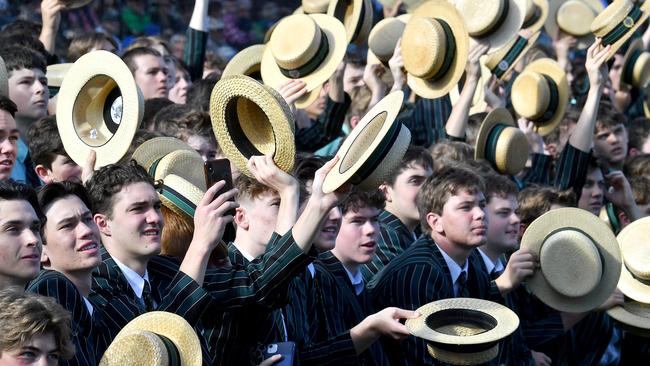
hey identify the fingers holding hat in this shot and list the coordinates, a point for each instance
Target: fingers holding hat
(522, 264)
(89, 167)
(266, 172)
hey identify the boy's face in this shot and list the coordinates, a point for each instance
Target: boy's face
(28, 89)
(353, 78)
(610, 144)
(503, 223)
(71, 236)
(40, 350)
(206, 148)
(136, 225)
(20, 242)
(326, 238)
(151, 76)
(356, 242)
(8, 144)
(262, 215)
(463, 222)
(62, 169)
(401, 197)
(593, 192)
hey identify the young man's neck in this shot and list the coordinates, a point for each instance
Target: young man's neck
(7, 282)
(457, 253)
(243, 242)
(137, 264)
(350, 266)
(82, 280)
(491, 252)
(410, 224)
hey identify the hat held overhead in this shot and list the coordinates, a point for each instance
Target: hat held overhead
(617, 23)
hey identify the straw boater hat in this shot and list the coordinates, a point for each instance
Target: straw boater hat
(479, 104)
(579, 258)
(4, 79)
(305, 47)
(99, 108)
(502, 143)
(249, 118)
(156, 338)
(246, 62)
(55, 74)
(463, 331)
(373, 149)
(314, 6)
(636, 66)
(573, 18)
(435, 48)
(541, 94)
(634, 282)
(409, 5)
(536, 14)
(383, 39)
(356, 15)
(618, 21)
(501, 62)
(492, 21)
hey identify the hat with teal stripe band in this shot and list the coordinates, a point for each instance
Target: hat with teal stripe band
(502, 143)
(618, 22)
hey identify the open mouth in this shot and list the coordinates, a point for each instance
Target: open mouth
(152, 232)
(87, 247)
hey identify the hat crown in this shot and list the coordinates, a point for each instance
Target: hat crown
(641, 70)
(571, 263)
(575, 17)
(384, 36)
(511, 151)
(636, 256)
(424, 46)
(611, 17)
(184, 163)
(530, 95)
(530, 10)
(481, 17)
(295, 41)
(315, 6)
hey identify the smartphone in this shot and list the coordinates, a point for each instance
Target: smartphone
(286, 349)
(216, 170)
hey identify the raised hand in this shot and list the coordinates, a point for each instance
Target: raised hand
(292, 90)
(396, 66)
(596, 64)
(473, 68)
(522, 264)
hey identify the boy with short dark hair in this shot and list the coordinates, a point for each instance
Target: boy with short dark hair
(9, 136)
(51, 162)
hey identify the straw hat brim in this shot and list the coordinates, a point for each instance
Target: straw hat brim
(506, 31)
(543, 14)
(246, 62)
(101, 64)
(179, 195)
(479, 104)
(376, 31)
(448, 13)
(352, 19)
(506, 321)
(336, 36)
(279, 116)
(629, 320)
(495, 117)
(73, 4)
(634, 234)
(56, 73)
(635, 45)
(309, 98)
(551, 69)
(552, 27)
(169, 325)
(495, 60)
(4, 79)
(364, 142)
(185, 164)
(510, 160)
(603, 238)
(152, 150)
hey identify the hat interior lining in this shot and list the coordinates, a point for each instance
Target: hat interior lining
(92, 111)
(468, 321)
(239, 137)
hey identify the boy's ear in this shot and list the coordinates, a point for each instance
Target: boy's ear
(241, 218)
(43, 173)
(102, 222)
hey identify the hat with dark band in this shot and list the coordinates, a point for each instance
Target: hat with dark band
(574, 18)
(536, 13)
(493, 21)
(156, 338)
(99, 108)
(246, 62)
(373, 149)
(250, 118)
(541, 94)
(636, 66)
(617, 23)
(502, 143)
(435, 47)
(463, 331)
(356, 15)
(501, 62)
(580, 259)
(55, 74)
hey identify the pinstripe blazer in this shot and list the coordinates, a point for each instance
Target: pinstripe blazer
(571, 169)
(194, 52)
(416, 277)
(426, 119)
(394, 238)
(88, 332)
(326, 128)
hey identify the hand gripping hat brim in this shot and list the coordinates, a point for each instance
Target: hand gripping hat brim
(463, 331)
(131, 346)
(248, 119)
(373, 149)
(579, 256)
(443, 84)
(337, 45)
(616, 30)
(99, 108)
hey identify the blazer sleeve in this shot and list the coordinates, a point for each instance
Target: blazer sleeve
(326, 128)
(194, 52)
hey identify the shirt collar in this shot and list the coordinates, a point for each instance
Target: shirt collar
(454, 268)
(133, 278)
(311, 269)
(246, 255)
(356, 279)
